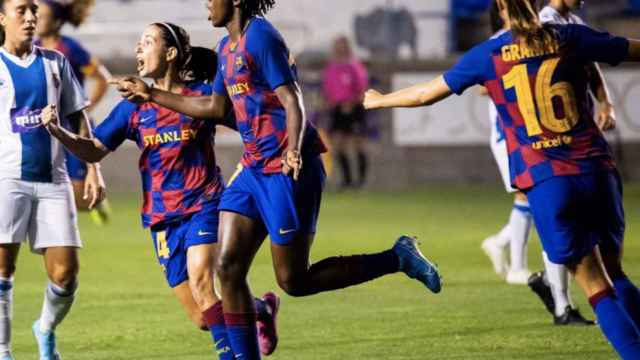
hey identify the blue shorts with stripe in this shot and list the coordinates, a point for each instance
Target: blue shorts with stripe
(287, 208)
(575, 213)
(172, 240)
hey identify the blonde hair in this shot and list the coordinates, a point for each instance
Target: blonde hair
(527, 27)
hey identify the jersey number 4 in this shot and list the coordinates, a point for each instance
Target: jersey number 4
(518, 78)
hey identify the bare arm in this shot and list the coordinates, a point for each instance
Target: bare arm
(291, 98)
(202, 107)
(634, 50)
(606, 119)
(418, 95)
(88, 149)
(99, 77)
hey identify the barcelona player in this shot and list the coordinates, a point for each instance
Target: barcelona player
(52, 16)
(181, 182)
(36, 201)
(272, 193)
(536, 76)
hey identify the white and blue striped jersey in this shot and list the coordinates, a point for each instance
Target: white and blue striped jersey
(27, 151)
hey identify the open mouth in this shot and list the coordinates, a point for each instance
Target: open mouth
(140, 64)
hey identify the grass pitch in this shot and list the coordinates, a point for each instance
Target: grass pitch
(125, 310)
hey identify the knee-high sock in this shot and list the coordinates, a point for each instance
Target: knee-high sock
(629, 297)
(345, 166)
(558, 279)
(56, 305)
(520, 225)
(242, 332)
(6, 313)
(214, 319)
(616, 324)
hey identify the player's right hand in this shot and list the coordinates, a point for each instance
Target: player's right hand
(49, 116)
(132, 89)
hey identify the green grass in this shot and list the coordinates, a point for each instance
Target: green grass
(125, 310)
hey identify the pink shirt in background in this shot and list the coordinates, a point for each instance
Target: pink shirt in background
(344, 82)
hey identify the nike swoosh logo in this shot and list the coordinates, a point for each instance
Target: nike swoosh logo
(202, 233)
(146, 119)
(285, 232)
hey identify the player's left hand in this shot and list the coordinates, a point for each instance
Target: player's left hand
(292, 163)
(606, 117)
(132, 89)
(94, 186)
(371, 99)
(49, 116)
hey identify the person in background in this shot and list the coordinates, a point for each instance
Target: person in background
(344, 81)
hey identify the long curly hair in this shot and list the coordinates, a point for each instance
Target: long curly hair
(257, 7)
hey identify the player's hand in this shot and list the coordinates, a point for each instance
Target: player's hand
(606, 117)
(372, 99)
(292, 163)
(132, 89)
(94, 186)
(49, 116)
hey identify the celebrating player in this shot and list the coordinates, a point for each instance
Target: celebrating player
(181, 182)
(537, 78)
(52, 15)
(272, 193)
(36, 201)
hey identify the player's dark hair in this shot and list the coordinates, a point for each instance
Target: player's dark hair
(1, 28)
(75, 12)
(526, 25)
(256, 7)
(201, 65)
(494, 17)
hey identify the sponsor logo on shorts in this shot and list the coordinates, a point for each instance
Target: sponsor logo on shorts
(25, 119)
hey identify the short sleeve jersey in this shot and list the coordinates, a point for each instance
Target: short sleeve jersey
(82, 63)
(28, 85)
(543, 101)
(248, 73)
(177, 164)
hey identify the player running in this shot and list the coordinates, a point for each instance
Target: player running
(271, 193)
(181, 182)
(550, 285)
(36, 201)
(52, 16)
(536, 76)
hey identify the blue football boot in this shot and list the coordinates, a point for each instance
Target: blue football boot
(416, 265)
(46, 343)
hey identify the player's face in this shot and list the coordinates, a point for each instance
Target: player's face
(574, 4)
(19, 19)
(220, 12)
(47, 22)
(151, 54)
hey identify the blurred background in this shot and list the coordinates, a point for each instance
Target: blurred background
(400, 42)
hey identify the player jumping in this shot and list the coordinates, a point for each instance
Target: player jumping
(536, 76)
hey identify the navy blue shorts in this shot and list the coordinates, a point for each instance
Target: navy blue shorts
(575, 213)
(287, 208)
(172, 240)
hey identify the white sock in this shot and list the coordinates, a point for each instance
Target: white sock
(520, 225)
(57, 302)
(558, 278)
(6, 313)
(502, 239)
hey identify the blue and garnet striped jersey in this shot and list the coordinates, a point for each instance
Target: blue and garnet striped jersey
(177, 164)
(248, 73)
(543, 100)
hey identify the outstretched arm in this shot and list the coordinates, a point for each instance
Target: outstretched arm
(88, 149)
(202, 107)
(418, 95)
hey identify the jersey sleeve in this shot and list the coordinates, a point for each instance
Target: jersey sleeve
(72, 96)
(591, 45)
(272, 57)
(115, 129)
(469, 71)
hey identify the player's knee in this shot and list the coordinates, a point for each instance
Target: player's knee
(7, 270)
(64, 277)
(229, 270)
(292, 285)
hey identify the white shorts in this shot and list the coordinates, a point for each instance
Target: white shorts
(45, 213)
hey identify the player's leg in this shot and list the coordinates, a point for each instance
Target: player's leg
(520, 222)
(240, 238)
(340, 127)
(185, 297)
(54, 233)
(16, 205)
(77, 170)
(359, 141)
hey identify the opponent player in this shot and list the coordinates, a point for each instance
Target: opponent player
(181, 182)
(550, 285)
(271, 193)
(36, 201)
(52, 15)
(536, 76)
